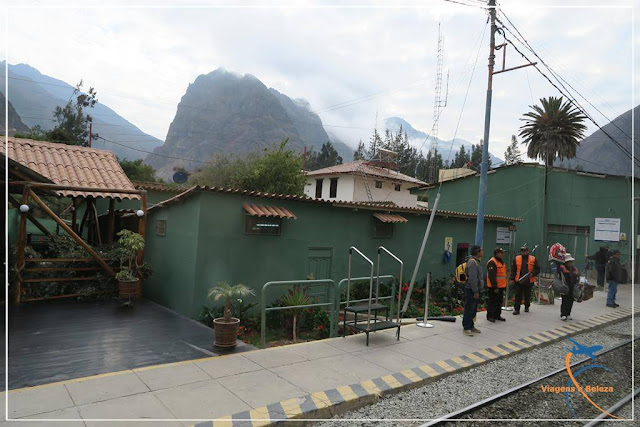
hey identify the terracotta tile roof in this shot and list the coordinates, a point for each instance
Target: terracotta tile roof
(157, 186)
(368, 169)
(390, 218)
(70, 165)
(260, 210)
(357, 205)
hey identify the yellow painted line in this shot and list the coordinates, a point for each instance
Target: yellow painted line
(429, 370)
(511, 346)
(291, 407)
(347, 393)
(474, 358)
(320, 399)
(460, 361)
(487, 354)
(223, 422)
(522, 343)
(259, 417)
(499, 350)
(391, 381)
(541, 338)
(411, 375)
(444, 365)
(371, 387)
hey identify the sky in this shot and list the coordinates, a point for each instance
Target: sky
(352, 60)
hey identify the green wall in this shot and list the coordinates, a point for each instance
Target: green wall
(206, 243)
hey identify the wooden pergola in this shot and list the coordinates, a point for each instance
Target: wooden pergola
(40, 168)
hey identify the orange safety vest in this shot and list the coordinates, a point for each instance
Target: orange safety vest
(501, 274)
(530, 263)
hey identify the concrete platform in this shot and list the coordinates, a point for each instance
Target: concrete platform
(283, 383)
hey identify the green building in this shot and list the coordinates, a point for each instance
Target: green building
(573, 203)
(205, 235)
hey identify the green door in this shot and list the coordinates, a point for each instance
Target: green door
(319, 267)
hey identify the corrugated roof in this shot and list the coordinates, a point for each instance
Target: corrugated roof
(342, 204)
(261, 210)
(368, 169)
(71, 165)
(392, 218)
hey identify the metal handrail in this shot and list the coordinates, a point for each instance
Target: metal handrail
(264, 308)
(382, 248)
(340, 303)
(351, 250)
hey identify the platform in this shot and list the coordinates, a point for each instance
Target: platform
(306, 380)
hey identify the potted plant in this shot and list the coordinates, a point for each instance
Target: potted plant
(226, 327)
(131, 273)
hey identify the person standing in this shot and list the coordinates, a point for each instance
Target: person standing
(614, 276)
(571, 277)
(524, 270)
(496, 282)
(472, 289)
(600, 258)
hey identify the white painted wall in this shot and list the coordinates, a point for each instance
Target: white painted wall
(344, 191)
(351, 188)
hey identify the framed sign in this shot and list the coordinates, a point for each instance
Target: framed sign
(607, 229)
(448, 244)
(503, 235)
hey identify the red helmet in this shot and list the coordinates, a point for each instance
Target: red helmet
(557, 252)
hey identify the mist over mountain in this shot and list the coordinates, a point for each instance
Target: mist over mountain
(223, 112)
(447, 149)
(35, 96)
(15, 123)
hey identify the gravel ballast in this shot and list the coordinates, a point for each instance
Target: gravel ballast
(459, 390)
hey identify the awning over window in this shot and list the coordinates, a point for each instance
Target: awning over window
(390, 218)
(273, 211)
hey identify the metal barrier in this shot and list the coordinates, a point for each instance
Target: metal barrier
(339, 289)
(286, 283)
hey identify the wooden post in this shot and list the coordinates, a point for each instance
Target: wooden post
(111, 220)
(22, 242)
(142, 223)
(71, 233)
(84, 217)
(30, 217)
(74, 214)
(95, 216)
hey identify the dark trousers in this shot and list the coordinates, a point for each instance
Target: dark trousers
(567, 303)
(494, 305)
(600, 270)
(470, 309)
(523, 291)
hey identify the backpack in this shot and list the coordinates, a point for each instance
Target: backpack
(461, 272)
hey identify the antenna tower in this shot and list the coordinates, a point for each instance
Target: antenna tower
(438, 105)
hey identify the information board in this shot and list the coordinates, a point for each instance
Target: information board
(503, 235)
(607, 229)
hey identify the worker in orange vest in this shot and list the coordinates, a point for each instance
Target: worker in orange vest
(524, 271)
(496, 284)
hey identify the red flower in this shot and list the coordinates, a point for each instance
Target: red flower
(321, 327)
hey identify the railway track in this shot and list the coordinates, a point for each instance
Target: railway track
(507, 402)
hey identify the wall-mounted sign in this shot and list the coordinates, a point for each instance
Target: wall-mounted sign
(448, 244)
(623, 237)
(503, 235)
(607, 229)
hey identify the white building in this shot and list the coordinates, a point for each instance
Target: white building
(349, 182)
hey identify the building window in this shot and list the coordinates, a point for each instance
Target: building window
(383, 229)
(568, 229)
(333, 188)
(378, 184)
(161, 227)
(397, 187)
(261, 225)
(319, 188)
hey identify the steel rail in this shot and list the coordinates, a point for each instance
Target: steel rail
(492, 399)
(612, 410)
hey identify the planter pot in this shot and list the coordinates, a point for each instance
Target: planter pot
(226, 331)
(130, 289)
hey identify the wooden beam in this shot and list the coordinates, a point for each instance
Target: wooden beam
(111, 220)
(74, 214)
(22, 242)
(84, 217)
(142, 224)
(30, 217)
(71, 233)
(61, 279)
(46, 186)
(97, 221)
(53, 297)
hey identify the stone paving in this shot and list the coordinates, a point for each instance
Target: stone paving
(214, 387)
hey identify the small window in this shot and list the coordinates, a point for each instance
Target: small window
(333, 188)
(378, 184)
(397, 187)
(260, 225)
(319, 188)
(161, 227)
(383, 229)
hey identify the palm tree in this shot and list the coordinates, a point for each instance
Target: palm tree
(553, 130)
(227, 293)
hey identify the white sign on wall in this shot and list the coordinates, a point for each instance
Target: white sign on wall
(607, 229)
(503, 235)
(448, 244)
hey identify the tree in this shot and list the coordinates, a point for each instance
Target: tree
(273, 170)
(137, 171)
(375, 143)
(512, 155)
(360, 152)
(73, 123)
(328, 156)
(553, 130)
(461, 158)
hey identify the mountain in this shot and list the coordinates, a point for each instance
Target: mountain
(597, 153)
(447, 149)
(15, 122)
(223, 112)
(35, 97)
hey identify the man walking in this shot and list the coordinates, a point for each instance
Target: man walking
(496, 282)
(600, 258)
(472, 289)
(524, 271)
(614, 276)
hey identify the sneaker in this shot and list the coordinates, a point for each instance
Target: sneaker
(491, 320)
(502, 319)
(516, 312)
(617, 305)
(563, 318)
(467, 332)
(526, 309)
(611, 305)
(475, 330)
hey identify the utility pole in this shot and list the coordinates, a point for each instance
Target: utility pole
(482, 190)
